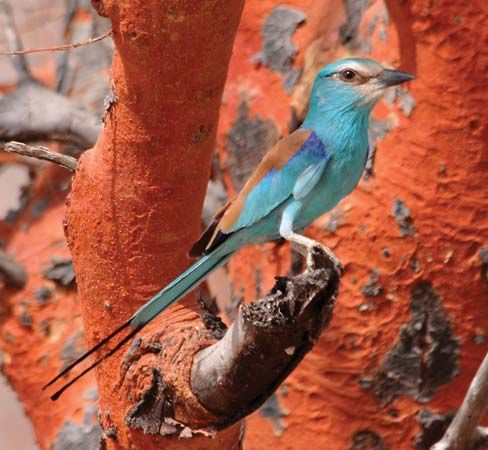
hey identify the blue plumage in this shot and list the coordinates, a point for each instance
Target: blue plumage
(302, 177)
(277, 186)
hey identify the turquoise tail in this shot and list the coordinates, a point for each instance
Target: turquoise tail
(170, 294)
(178, 288)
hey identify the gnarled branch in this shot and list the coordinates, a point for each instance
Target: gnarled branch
(269, 337)
(234, 376)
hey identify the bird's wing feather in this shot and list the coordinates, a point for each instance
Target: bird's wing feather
(308, 179)
(199, 246)
(272, 182)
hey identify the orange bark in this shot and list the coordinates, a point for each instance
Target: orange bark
(137, 196)
(435, 160)
(55, 333)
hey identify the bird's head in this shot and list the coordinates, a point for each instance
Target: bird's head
(354, 82)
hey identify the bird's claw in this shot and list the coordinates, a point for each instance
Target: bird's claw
(306, 245)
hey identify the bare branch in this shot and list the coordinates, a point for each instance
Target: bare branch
(59, 48)
(11, 271)
(43, 153)
(463, 432)
(266, 341)
(34, 112)
(13, 40)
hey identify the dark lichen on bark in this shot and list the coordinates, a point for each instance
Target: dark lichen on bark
(274, 411)
(85, 436)
(366, 440)
(278, 51)
(432, 428)
(61, 271)
(426, 355)
(373, 288)
(248, 140)
(403, 217)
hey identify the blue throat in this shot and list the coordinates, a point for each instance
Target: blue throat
(339, 117)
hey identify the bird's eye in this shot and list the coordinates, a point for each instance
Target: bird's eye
(348, 75)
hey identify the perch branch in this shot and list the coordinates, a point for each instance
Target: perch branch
(14, 42)
(58, 48)
(463, 433)
(38, 152)
(266, 341)
(11, 271)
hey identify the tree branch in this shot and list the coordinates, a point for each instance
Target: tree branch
(280, 329)
(164, 152)
(463, 432)
(58, 48)
(13, 40)
(34, 112)
(43, 153)
(269, 337)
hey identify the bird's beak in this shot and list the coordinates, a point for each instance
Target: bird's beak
(394, 77)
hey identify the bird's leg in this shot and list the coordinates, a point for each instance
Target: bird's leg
(303, 245)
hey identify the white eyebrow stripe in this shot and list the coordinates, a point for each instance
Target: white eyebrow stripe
(366, 68)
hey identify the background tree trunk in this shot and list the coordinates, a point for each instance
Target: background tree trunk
(409, 327)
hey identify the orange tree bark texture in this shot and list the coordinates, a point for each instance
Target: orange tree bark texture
(409, 328)
(136, 201)
(40, 324)
(168, 77)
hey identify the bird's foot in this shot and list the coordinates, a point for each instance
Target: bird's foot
(304, 246)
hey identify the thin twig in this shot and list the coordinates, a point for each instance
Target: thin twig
(463, 432)
(38, 152)
(12, 37)
(59, 48)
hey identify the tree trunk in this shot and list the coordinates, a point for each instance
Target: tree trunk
(136, 199)
(409, 328)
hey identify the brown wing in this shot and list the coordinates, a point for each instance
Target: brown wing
(198, 248)
(275, 159)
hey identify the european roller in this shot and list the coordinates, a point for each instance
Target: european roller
(303, 176)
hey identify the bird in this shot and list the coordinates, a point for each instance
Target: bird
(300, 178)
